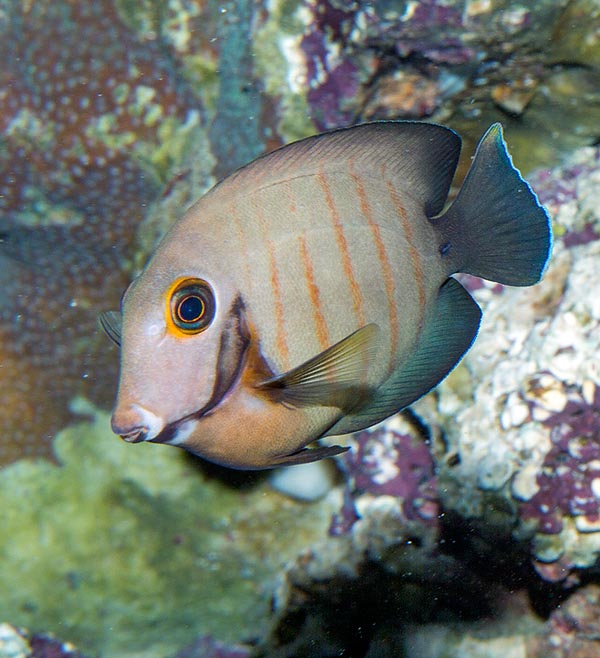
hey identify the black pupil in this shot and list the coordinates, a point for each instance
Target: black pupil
(191, 309)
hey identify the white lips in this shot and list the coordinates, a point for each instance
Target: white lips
(152, 422)
(183, 433)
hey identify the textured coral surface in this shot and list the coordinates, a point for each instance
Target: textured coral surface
(138, 556)
(463, 529)
(88, 117)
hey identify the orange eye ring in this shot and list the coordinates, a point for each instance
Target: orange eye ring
(192, 306)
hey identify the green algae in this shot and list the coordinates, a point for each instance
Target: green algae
(281, 65)
(197, 161)
(576, 37)
(142, 16)
(131, 550)
(176, 140)
(27, 129)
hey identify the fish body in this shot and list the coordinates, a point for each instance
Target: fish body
(310, 292)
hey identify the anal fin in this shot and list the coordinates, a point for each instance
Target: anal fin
(308, 455)
(442, 343)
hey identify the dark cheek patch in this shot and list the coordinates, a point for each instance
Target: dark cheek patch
(234, 342)
(230, 362)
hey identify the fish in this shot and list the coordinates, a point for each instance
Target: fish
(311, 293)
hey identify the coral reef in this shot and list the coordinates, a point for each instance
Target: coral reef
(92, 123)
(466, 64)
(519, 417)
(391, 460)
(104, 106)
(573, 629)
(469, 519)
(139, 556)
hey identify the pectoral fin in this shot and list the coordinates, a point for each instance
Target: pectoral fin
(307, 455)
(336, 377)
(111, 322)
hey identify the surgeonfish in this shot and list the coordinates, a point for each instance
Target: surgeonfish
(310, 293)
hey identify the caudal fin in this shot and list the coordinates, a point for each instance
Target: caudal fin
(496, 228)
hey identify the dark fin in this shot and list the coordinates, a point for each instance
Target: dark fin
(331, 378)
(111, 322)
(442, 343)
(422, 156)
(307, 455)
(496, 228)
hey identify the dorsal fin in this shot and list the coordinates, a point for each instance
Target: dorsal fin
(422, 156)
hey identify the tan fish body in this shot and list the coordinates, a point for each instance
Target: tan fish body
(309, 294)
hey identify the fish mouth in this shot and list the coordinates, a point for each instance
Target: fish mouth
(135, 436)
(135, 424)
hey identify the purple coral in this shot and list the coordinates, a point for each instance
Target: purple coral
(571, 468)
(431, 28)
(558, 187)
(342, 521)
(45, 646)
(332, 80)
(387, 462)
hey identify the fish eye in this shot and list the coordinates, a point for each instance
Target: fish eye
(192, 306)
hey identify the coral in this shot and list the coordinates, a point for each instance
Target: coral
(12, 643)
(243, 111)
(515, 425)
(570, 194)
(392, 459)
(122, 555)
(44, 646)
(463, 64)
(91, 123)
(569, 481)
(573, 630)
(332, 80)
(376, 560)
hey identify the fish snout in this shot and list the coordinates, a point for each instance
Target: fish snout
(135, 424)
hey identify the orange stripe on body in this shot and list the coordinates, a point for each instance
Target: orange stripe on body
(280, 333)
(315, 297)
(357, 301)
(388, 277)
(414, 255)
(292, 200)
(281, 344)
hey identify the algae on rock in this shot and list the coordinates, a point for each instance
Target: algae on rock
(131, 551)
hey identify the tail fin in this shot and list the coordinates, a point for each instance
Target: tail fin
(496, 228)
